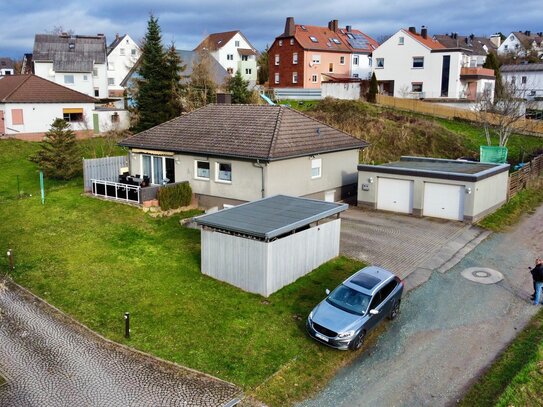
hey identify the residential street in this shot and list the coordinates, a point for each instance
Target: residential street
(449, 330)
(50, 361)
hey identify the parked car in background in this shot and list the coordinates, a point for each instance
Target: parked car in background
(344, 318)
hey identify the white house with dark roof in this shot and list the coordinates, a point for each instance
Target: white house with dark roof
(122, 55)
(412, 64)
(7, 66)
(29, 104)
(526, 79)
(521, 42)
(77, 62)
(232, 154)
(234, 52)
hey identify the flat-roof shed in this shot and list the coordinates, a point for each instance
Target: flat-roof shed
(263, 245)
(448, 189)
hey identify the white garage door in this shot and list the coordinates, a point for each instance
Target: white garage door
(443, 201)
(395, 195)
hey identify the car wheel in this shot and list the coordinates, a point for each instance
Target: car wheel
(395, 310)
(357, 342)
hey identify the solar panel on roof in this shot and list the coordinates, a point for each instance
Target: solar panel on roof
(365, 281)
(358, 41)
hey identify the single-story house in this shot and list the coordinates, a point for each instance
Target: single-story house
(448, 189)
(231, 154)
(29, 104)
(267, 244)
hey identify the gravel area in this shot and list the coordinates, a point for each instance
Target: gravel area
(449, 330)
(50, 360)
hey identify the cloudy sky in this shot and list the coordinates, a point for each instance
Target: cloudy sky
(187, 21)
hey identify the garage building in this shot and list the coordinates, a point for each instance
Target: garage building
(262, 246)
(447, 189)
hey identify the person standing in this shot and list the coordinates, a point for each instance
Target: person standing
(537, 276)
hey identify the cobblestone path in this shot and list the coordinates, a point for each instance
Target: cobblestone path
(51, 361)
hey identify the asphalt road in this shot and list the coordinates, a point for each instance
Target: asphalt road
(449, 330)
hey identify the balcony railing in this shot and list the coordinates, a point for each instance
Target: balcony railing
(473, 72)
(116, 190)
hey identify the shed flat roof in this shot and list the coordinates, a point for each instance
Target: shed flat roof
(438, 168)
(271, 217)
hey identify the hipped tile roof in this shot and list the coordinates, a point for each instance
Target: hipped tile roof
(245, 131)
(476, 44)
(215, 41)
(428, 42)
(34, 89)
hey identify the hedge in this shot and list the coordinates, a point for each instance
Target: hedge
(175, 196)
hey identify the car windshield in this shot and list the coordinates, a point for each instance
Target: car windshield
(349, 300)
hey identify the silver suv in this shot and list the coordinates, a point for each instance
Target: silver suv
(355, 307)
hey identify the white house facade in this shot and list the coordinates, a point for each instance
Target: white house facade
(76, 62)
(234, 52)
(122, 55)
(413, 65)
(526, 79)
(520, 43)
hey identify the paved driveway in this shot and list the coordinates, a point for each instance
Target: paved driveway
(50, 361)
(449, 330)
(399, 242)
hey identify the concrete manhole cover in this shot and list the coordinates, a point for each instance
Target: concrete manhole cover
(482, 275)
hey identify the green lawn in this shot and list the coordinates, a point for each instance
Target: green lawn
(96, 260)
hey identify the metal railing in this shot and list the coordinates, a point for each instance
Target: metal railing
(116, 190)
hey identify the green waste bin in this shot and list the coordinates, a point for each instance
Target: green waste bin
(493, 154)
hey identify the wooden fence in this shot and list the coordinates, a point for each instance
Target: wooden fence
(447, 112)
(519, 179)
(105, 169)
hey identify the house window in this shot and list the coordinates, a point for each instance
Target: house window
(505, 47)
(380, 62)
(95, 72)
(280, 43)
(202, 170)
(122, 51)
(316, 168)
(313, 39)
(292, 41)
(17, 116)
(69, 79)
(248, 71)
(160, 170)
(314, 78)
(513, 79)
(295, 58)
(276, 77)
(111, 81)
(115, 118)
(523, 80)
(230, 57)
(342, 60)
(85, 78)
(416, 87)
(331, 67)
(244, 58)
(400, 40)
(230, 70)
(73, 117)
(355, 75)
(236, 43)
(418, 62)
(276, 59)
(96, 92)
(224, 172)
(355, 60)
(316, 59)
(133, 52)
(294, 77)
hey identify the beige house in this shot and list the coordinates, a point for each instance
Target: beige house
(232, 154)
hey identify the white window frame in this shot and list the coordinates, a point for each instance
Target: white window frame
(248, 71)
(229, 57)
(292, 41)
(217, 172)
(356, 60)
(280, 43)
(133, 52)
(316, 164)
(413, 84)
(196, 176)
(85, 78)
(294, 77)
(419, 59)
(316, 59)
(295, 58)
(69, 79)
(111, 81)
(342, 60)
(236, 43)
(377, 63)
(276, 78)
(277, 58)
(315, 78)
(152, 175)
(401, 41)
(95, 72)
(122, 51)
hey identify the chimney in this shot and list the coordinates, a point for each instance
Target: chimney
(424, 32)
(117, 36)
(412, 30)
(99, 35)
(290, 27)
(496, 40)
(333, 25)
(455, 36)
(466, 40)
(528, 33)
(471, 36)
(348, 28)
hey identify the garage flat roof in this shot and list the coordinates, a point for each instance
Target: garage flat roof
(271, 217)
(439, 168)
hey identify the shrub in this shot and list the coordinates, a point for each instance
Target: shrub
(175, 196)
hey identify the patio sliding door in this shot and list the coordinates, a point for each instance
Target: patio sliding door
(158, 170)
(146, 166)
